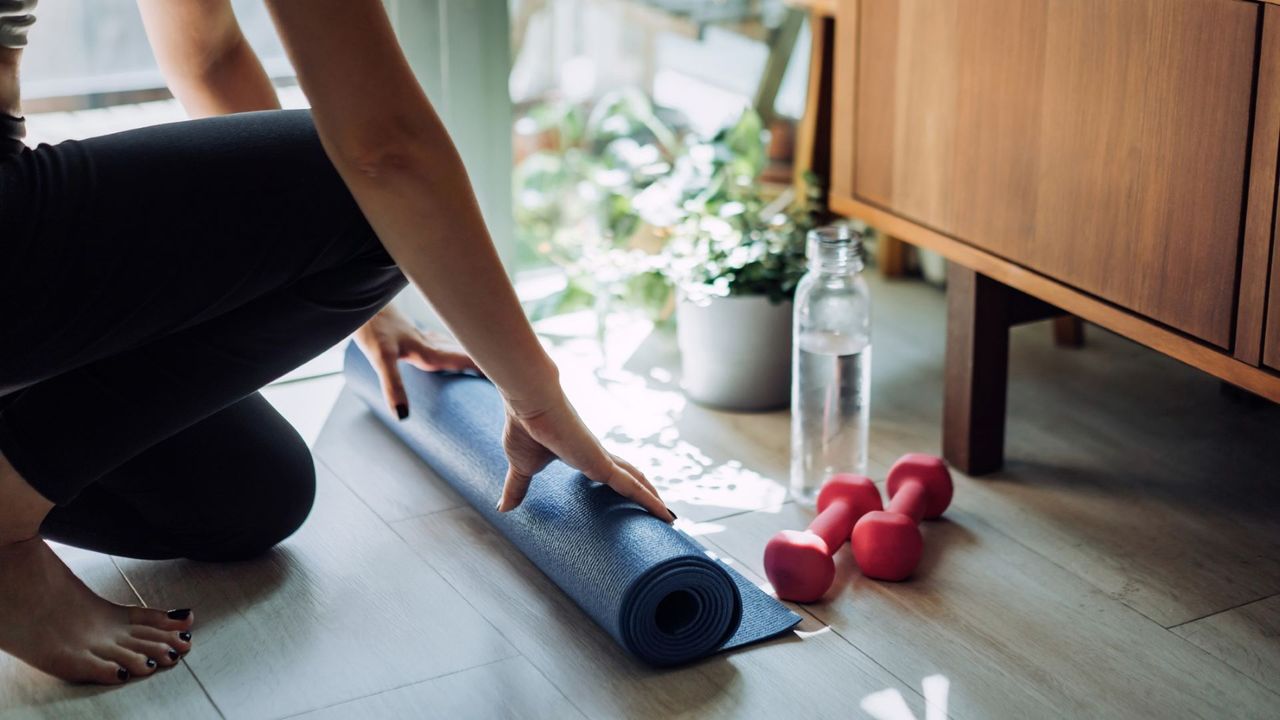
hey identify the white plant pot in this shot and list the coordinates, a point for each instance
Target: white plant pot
(735, 351)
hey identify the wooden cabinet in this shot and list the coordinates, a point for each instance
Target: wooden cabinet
(1111, 159)
(1102, 142)
(1271, 355)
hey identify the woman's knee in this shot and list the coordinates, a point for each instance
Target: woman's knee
(274, 502)
(286, 500)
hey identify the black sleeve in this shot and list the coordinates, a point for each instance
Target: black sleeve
(12, 130)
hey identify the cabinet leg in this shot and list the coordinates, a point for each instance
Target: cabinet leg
(891, 256)
(1068, 331)
(978, 319)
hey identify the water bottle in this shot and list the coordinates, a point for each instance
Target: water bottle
(831, 363)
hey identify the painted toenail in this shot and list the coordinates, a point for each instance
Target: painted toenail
(122, 674)
(185, 636)
(173, 654)
(182, 614)
(151, 663)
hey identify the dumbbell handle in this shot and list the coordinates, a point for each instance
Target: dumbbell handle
(834, 524)
(909, 500)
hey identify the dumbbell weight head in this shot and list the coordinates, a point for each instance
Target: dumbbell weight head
(888, 544)
(798, 563)
(928, 470)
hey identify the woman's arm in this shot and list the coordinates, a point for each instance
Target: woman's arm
(397, 159)
(205, 58)
(10, 97)
(213, 71)
(400, 164)
(12, 126)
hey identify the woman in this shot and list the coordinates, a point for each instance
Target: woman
(152, 281)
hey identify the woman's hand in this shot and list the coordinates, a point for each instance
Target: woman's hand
(533, 439)
(389, 337)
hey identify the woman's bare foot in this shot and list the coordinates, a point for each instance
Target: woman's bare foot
(51, 620)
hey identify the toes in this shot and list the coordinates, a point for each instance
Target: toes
(135, 663)
(165, 620)
(160, 652)
(90, 668)
(180, 640)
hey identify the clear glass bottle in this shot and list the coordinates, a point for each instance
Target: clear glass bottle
(831, 363)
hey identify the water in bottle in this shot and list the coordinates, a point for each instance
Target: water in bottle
(831, 378)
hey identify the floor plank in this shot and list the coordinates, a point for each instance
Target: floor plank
(707, 463)
(1124, 466)
(1016, 635)
(1247, 638)
(811, 674)
(26, 694)
(510, 688)
(342, 610)
(1135, 496)
(379, 468)
(306, 404)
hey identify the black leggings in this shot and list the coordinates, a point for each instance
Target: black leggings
(150, 283)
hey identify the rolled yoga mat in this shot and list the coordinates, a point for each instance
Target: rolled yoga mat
(653, 588)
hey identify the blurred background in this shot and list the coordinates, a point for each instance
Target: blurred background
(604, 97)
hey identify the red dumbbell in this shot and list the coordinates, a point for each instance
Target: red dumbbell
(887, 544)
(799, 563)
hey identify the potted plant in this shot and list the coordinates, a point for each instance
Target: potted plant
(641, 217)
(734, 258)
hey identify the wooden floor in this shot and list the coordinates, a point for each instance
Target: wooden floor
(1126, 564)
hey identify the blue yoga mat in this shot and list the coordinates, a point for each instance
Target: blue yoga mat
(653, 588)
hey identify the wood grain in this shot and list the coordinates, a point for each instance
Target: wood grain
(1134, 497)
(1260, 212)
(1084, 305)
(1122, 466)
(1143, 155)
(973, 410)
(342, 610)
(1073, 138)
(811, 674)
(844, 99)
(982, 608)
(387, 476)
(1271, 354)
(511, 688)
(813, 135)
(1247, 638)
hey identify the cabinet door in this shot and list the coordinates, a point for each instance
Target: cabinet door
(1271, 336)
(1099, 142)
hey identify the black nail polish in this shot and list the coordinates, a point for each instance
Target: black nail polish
(184, 636)
(673, 514)
(182, 614)
(151, 663)
(122, 674)
(173, 654)
(402, 411)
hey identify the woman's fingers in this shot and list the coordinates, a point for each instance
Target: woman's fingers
(628, 486)
(534, 440)
(432, 356)
(513, 490)
(636, 472)
(384, 363)
(627, 482)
